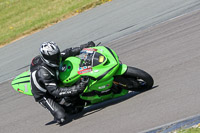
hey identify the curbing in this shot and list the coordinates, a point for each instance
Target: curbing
(184, 123)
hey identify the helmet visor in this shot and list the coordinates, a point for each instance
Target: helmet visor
(53, 60)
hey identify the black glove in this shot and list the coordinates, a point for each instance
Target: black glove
(89, 44)
(76, 89)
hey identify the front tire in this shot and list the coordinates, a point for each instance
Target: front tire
(140, 77)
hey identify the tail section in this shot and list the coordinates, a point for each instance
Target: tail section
(22, 83)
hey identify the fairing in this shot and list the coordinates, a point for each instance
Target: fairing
(22, 83)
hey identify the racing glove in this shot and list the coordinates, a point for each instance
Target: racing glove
(76, 50)
(74, 90)
(89, 44)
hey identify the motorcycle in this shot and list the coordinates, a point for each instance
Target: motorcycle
(108, 78)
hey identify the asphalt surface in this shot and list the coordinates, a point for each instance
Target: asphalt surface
(169, 51)
(101, 24)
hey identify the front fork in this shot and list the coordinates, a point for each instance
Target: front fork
(121, 80)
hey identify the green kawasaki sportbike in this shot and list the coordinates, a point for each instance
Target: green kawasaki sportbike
(108, 77)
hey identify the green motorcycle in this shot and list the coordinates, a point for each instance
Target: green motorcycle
(108, 77)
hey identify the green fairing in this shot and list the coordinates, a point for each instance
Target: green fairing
(70, 75)
(101, 75)
(122, 69)
(22, 83)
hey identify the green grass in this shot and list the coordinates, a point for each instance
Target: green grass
(190, 130)
(22, 17)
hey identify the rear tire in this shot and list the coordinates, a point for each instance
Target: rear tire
(142, 78)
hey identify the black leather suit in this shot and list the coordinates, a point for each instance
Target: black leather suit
(44, 81)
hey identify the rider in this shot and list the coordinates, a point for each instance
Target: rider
(44, 77)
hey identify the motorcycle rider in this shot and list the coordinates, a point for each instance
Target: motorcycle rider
(44, 78)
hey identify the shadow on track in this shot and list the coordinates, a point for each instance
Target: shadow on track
(99, 106)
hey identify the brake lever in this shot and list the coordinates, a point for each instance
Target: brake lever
(98, 44)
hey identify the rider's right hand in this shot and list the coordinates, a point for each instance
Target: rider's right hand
(75, 89)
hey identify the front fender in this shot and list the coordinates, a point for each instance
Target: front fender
(122, 69)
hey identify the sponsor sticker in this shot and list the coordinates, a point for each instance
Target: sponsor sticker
(63, 68)
(89, 49)
(102, 87)
(81, 68)
(19, 90)
(84, 67)
(101, 50)
(96, 71)
(84, 71)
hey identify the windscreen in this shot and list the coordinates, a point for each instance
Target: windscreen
(90, 58)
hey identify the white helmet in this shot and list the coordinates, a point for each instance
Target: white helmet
(50, 54)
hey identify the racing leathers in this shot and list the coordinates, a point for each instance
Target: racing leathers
(44, 83)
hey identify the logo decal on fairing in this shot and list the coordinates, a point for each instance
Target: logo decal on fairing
(84, 71)
(63, 68)
(102, 87)
(89, 49)
(84, 68)
(19, 90)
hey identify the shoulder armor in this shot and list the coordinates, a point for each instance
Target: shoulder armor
(44, 73)
(37, 60)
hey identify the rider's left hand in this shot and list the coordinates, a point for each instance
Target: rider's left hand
(91, 44)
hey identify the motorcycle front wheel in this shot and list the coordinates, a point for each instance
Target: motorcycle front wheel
(137, 76)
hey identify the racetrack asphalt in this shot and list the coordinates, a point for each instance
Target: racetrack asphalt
(169, 51)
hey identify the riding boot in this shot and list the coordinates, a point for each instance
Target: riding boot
(54, 108)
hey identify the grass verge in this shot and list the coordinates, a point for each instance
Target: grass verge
(191, 130)
(194, 129)
(22, 17)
